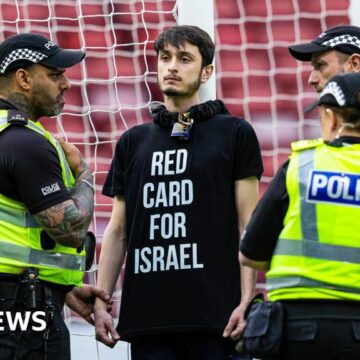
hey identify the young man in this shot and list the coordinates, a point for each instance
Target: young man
(305, 233)
(46, 202)
(334, 51)
(187, 183)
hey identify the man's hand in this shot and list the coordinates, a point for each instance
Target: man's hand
(81, 300)
(104, 328)
(73, 157)
(236, 324)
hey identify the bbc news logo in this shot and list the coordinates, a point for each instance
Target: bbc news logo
(21, 321)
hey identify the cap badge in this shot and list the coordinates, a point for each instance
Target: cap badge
(49, 45)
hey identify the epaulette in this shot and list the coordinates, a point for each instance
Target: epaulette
(16, 117)
(306, 144)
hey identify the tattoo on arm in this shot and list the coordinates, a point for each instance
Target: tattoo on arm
(68, 222)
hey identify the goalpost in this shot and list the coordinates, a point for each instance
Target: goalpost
(112, 89)
(188, 14)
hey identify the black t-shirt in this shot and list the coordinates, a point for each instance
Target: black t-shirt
(267, 220)
(28, 164)
(182, 272)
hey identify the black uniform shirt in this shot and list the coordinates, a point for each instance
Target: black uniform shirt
(28, 164)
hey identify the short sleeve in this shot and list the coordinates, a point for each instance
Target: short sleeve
(33, 169)
(114, 182)
(267, 221)
(248, 161)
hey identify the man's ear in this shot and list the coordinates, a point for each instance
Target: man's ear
(328, 122)
(331, 119)
(354, 62)
(23, 79)
(206, 72)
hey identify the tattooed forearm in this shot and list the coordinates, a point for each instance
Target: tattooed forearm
(61, 223)
(68, 222)
(83, 172)
(83, 197)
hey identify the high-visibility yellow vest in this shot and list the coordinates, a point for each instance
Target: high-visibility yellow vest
(20, 245)
(317, 255)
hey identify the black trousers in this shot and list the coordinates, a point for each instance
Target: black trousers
(30, 345)
(321, 331)
(26, 342)
(183, 346)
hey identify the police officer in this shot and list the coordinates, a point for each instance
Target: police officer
(336, 50)
(305, 233)
(46, 203)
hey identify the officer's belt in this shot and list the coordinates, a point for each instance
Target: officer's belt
(12, 290)
(321, 309)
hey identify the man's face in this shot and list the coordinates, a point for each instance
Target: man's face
(325, 66)
(179, 70)
(46, 97)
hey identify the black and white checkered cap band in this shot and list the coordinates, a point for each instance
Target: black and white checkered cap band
(335, 90)
(343, 39)
(21, 54)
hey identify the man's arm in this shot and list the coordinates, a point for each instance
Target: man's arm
(257, 265)
(246, 197)
(112, 257)
(68, 222)
(81, 300)
(262, 232)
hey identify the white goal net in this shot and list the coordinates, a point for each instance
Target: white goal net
(115, 84)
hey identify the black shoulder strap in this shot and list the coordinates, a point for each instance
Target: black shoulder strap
(16, 117)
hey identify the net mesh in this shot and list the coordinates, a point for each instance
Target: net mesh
(115, 84)
(258, 78)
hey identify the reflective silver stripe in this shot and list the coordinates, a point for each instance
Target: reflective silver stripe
(298, 281)
(18, 217)
(3, 121)
(312, 249)
(53, 142)
(40, 257)
(35, 128)
(307, 210)
(60, 152)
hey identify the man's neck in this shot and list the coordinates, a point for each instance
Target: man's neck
(181, 104)
(21, 102)
(350, 133)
